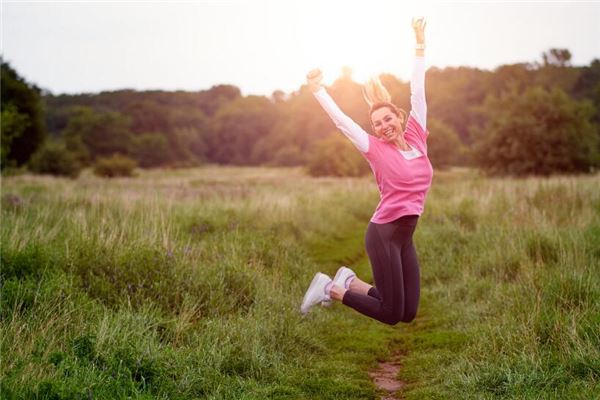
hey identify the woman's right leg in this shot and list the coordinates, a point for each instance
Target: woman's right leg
(387, 273)
(359, 286)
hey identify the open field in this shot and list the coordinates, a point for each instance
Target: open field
(187, 284)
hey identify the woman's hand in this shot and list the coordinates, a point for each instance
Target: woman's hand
(314, 78)
(418, 25)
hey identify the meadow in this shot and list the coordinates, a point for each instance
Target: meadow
(181, 284)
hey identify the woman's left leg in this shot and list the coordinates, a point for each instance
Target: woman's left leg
(411, 277)
(402, 279)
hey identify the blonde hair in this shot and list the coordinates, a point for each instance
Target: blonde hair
(374, 92)
(377, 96)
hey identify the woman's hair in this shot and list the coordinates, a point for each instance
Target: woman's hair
(377, 96)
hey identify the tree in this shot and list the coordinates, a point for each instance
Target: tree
(150, 150)
(336, 156)
(13, 126)
(557, 57)
(555, 71)
(588, 86)
(102, 133)
(452, 93)
(188, 128)
(25, 131)
(288, 156)
(237, 127)
(537, 132)
(147, 116)
(210, 101)
(444, 147)
(53, 158)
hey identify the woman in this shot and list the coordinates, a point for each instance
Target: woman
(398, 159)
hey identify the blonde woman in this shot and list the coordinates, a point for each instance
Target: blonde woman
(398, 159)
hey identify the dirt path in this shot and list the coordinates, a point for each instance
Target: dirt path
(385, 377)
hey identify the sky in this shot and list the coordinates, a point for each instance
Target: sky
(266, 45)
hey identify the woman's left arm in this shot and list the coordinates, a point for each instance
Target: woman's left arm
(417, 81)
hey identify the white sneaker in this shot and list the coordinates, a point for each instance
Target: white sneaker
(316, 292)
(342, 274)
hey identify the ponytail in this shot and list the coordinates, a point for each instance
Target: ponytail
(377, 96)
(374, 92)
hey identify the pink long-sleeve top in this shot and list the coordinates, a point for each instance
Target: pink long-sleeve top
(403, 177)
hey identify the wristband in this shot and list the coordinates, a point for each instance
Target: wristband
(420, 46)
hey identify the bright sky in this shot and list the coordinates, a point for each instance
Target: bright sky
(264, 45)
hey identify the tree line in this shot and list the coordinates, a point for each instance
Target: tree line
(527, 118)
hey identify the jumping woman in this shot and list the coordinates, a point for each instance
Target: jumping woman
(398, 159)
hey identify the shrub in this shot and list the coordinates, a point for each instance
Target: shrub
(537, 132)
(116, 165)
(444, 147)
(151, 149)
(55, 159)
(336, 156)
(290, 155)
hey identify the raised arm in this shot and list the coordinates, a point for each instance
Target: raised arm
(417, 81)
(351, 129)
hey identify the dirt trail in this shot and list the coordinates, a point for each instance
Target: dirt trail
(385, 377)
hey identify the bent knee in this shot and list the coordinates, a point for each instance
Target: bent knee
(394, 319)
(409, 317)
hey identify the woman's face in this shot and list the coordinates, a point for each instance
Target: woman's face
(386, 124)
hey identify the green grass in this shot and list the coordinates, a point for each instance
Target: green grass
(187, 283)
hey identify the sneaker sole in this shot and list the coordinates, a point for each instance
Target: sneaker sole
(337, 275)
(308, 293)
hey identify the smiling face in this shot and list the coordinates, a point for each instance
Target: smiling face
(386, 124)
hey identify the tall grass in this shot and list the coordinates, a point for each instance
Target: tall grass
(187, 284)
(512, 271)
(169, 285)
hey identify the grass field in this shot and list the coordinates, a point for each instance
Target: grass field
(187, 284)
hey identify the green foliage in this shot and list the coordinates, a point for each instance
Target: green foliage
(187, 146)
(557, 57)
(336, 156)
(237, 127)
(150, 150)
(13, 126)
(588, 86)
(114, 166)
(444, 147)
(29, 261)
(23, 131)
(454, 93)
(102, 133)
(75, 145)
(537, 132)
(289, 155)
(54, 159)
(219, 125)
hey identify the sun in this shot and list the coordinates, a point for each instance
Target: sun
(368, 37)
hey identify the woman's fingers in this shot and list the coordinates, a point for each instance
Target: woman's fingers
(313, 73)
(313, 79)
(418, 23)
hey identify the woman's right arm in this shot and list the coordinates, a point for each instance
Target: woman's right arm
(351, 129)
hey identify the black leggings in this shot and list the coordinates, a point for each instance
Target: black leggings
(395, 296)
